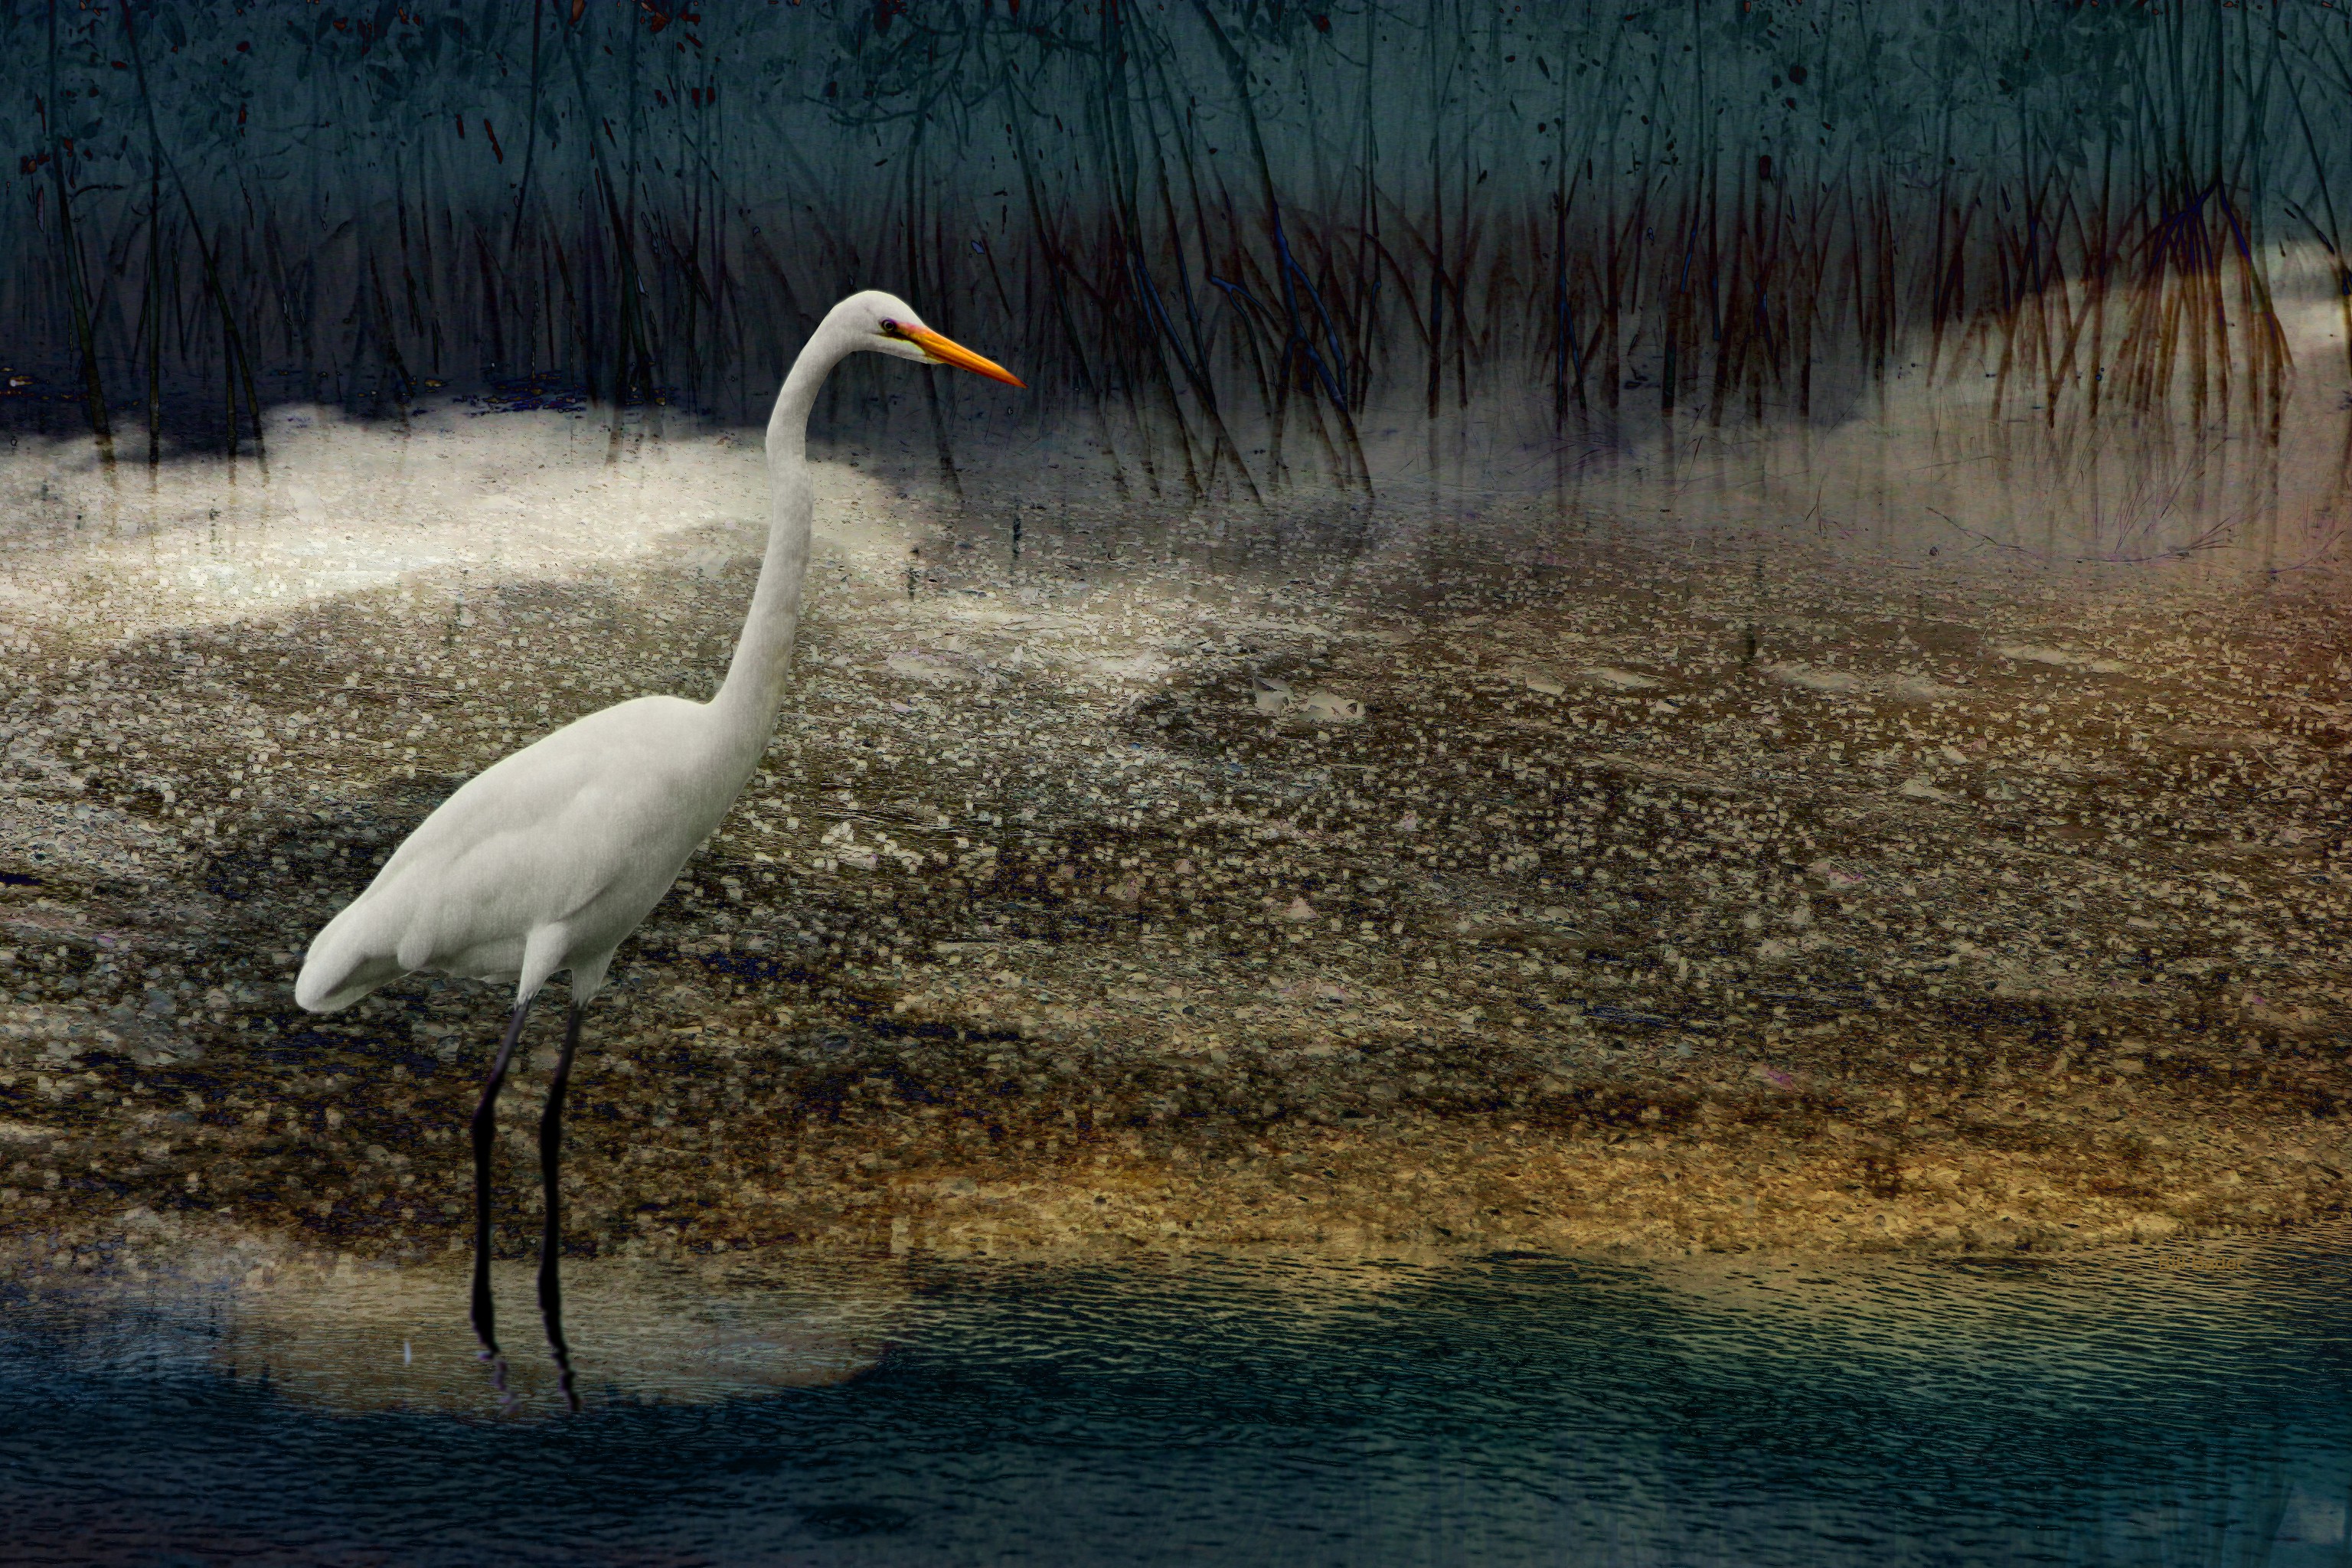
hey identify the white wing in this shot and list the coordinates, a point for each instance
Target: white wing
(560, 849)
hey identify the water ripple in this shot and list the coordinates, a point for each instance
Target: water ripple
(2183, 1405)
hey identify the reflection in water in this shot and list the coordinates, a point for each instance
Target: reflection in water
(2178, 1406)
(372, 1338)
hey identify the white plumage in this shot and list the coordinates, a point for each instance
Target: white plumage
(542, 862)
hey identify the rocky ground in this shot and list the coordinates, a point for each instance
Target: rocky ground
(1122, 877)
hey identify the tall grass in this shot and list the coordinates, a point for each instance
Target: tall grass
(1240, 244)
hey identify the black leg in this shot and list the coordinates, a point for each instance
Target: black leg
(485, 1129)
(550, 1240)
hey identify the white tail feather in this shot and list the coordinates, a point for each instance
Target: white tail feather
(344, 965)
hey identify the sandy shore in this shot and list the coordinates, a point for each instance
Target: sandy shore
(1041, 1147)
(1122, 879)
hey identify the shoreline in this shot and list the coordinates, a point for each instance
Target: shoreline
(875, 1164)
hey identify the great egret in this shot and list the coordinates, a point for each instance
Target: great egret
(545, 860)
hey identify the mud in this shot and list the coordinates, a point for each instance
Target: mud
(1332, 875)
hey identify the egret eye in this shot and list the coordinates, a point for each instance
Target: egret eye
(890, 326)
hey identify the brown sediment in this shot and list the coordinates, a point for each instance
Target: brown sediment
(1555, 896)
(736, 1137)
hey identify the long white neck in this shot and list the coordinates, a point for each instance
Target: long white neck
(747, 702)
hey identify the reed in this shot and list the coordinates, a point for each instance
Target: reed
(58, 151)
(1236, 245)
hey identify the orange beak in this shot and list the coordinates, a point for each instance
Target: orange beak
(947, 351)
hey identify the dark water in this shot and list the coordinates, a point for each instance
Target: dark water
(2174, 1407)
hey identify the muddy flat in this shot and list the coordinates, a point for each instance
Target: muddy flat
(1129, 874)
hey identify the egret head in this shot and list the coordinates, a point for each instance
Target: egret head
(884, 323)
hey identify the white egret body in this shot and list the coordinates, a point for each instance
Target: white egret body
(542, 862)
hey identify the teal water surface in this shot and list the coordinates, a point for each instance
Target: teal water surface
(2182, 1405)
